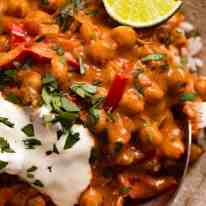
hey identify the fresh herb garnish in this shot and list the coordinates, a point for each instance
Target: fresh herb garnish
(28, 130)
(65, 14)
(7, 77)
(83, 90)
(49, 168)
(154, 57)
(59, 50)
(189, 96)
(3, 164)
(38, 183)
(45, 2)
(6, 122)
(32, 143)
(14, 99)
(32, 169)
(124, 190)
(55, 149)
(71, 139)
(40, 38)
(5, 147)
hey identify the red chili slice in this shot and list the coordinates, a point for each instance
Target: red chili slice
(116, 92)
(72, 61)
(18, 34)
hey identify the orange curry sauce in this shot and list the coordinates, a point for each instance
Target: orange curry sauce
(135, 102)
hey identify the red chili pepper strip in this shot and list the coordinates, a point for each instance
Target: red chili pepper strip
(72, 61)
(116, 92)
(18, 34)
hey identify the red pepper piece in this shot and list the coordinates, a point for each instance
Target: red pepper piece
(18, 34)
(116, 92)
(72, 61)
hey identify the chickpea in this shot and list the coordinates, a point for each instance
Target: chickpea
(153, 93)
(101, 51)
(60, 71)
(40, 17)
(128, 156)
(87, 31)
(172, 145)
(31, 79)
(149, 133)
(176, 77)
(125, 36)
(118, 131)
(200, 86)
(91, 198)
(18, 8)
(131, 102)
(196, 152)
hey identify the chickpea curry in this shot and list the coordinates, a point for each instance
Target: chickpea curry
(123, 84)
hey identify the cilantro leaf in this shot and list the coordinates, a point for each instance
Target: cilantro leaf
(71, 139)
(154, 57)
(32, 143)
(28, 130)
(83, 90)
(189, 96)
(5, 147)
(3, 164)
(6, 122)
(38, 183)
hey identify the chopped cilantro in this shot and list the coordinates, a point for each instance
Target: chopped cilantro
(31, 143)
(14, 99)
(154, 57)
(32, 169)
(59, 50)
(40, 38)
(6, 122)
(55, 149)
(124, 190)
(38, 183)
(83, 90)
(5, 147)
(29, 175)
(45, 2)
(3, 164)
(189, 96)
(71, 139)
(28, 130)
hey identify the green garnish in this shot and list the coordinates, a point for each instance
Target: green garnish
(28, 130)
(14, 99)
(45, 2)
(59, 50)
(40, 38)
(32, 169)
(124, 190)
(5, 147)
(32, 143)
(154, 57)
(189, 96)
(55, 149)
(3, 164)
(7, 77)
(71, 139)
(83, 90)
(38, 183)
(6, 122)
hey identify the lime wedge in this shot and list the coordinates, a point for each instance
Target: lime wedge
(141, 13)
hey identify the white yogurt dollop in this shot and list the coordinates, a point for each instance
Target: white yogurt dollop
(65, 175)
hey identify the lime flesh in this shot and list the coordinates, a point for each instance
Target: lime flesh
(141, 13)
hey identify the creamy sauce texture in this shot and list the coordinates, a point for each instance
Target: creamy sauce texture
(64, 176)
